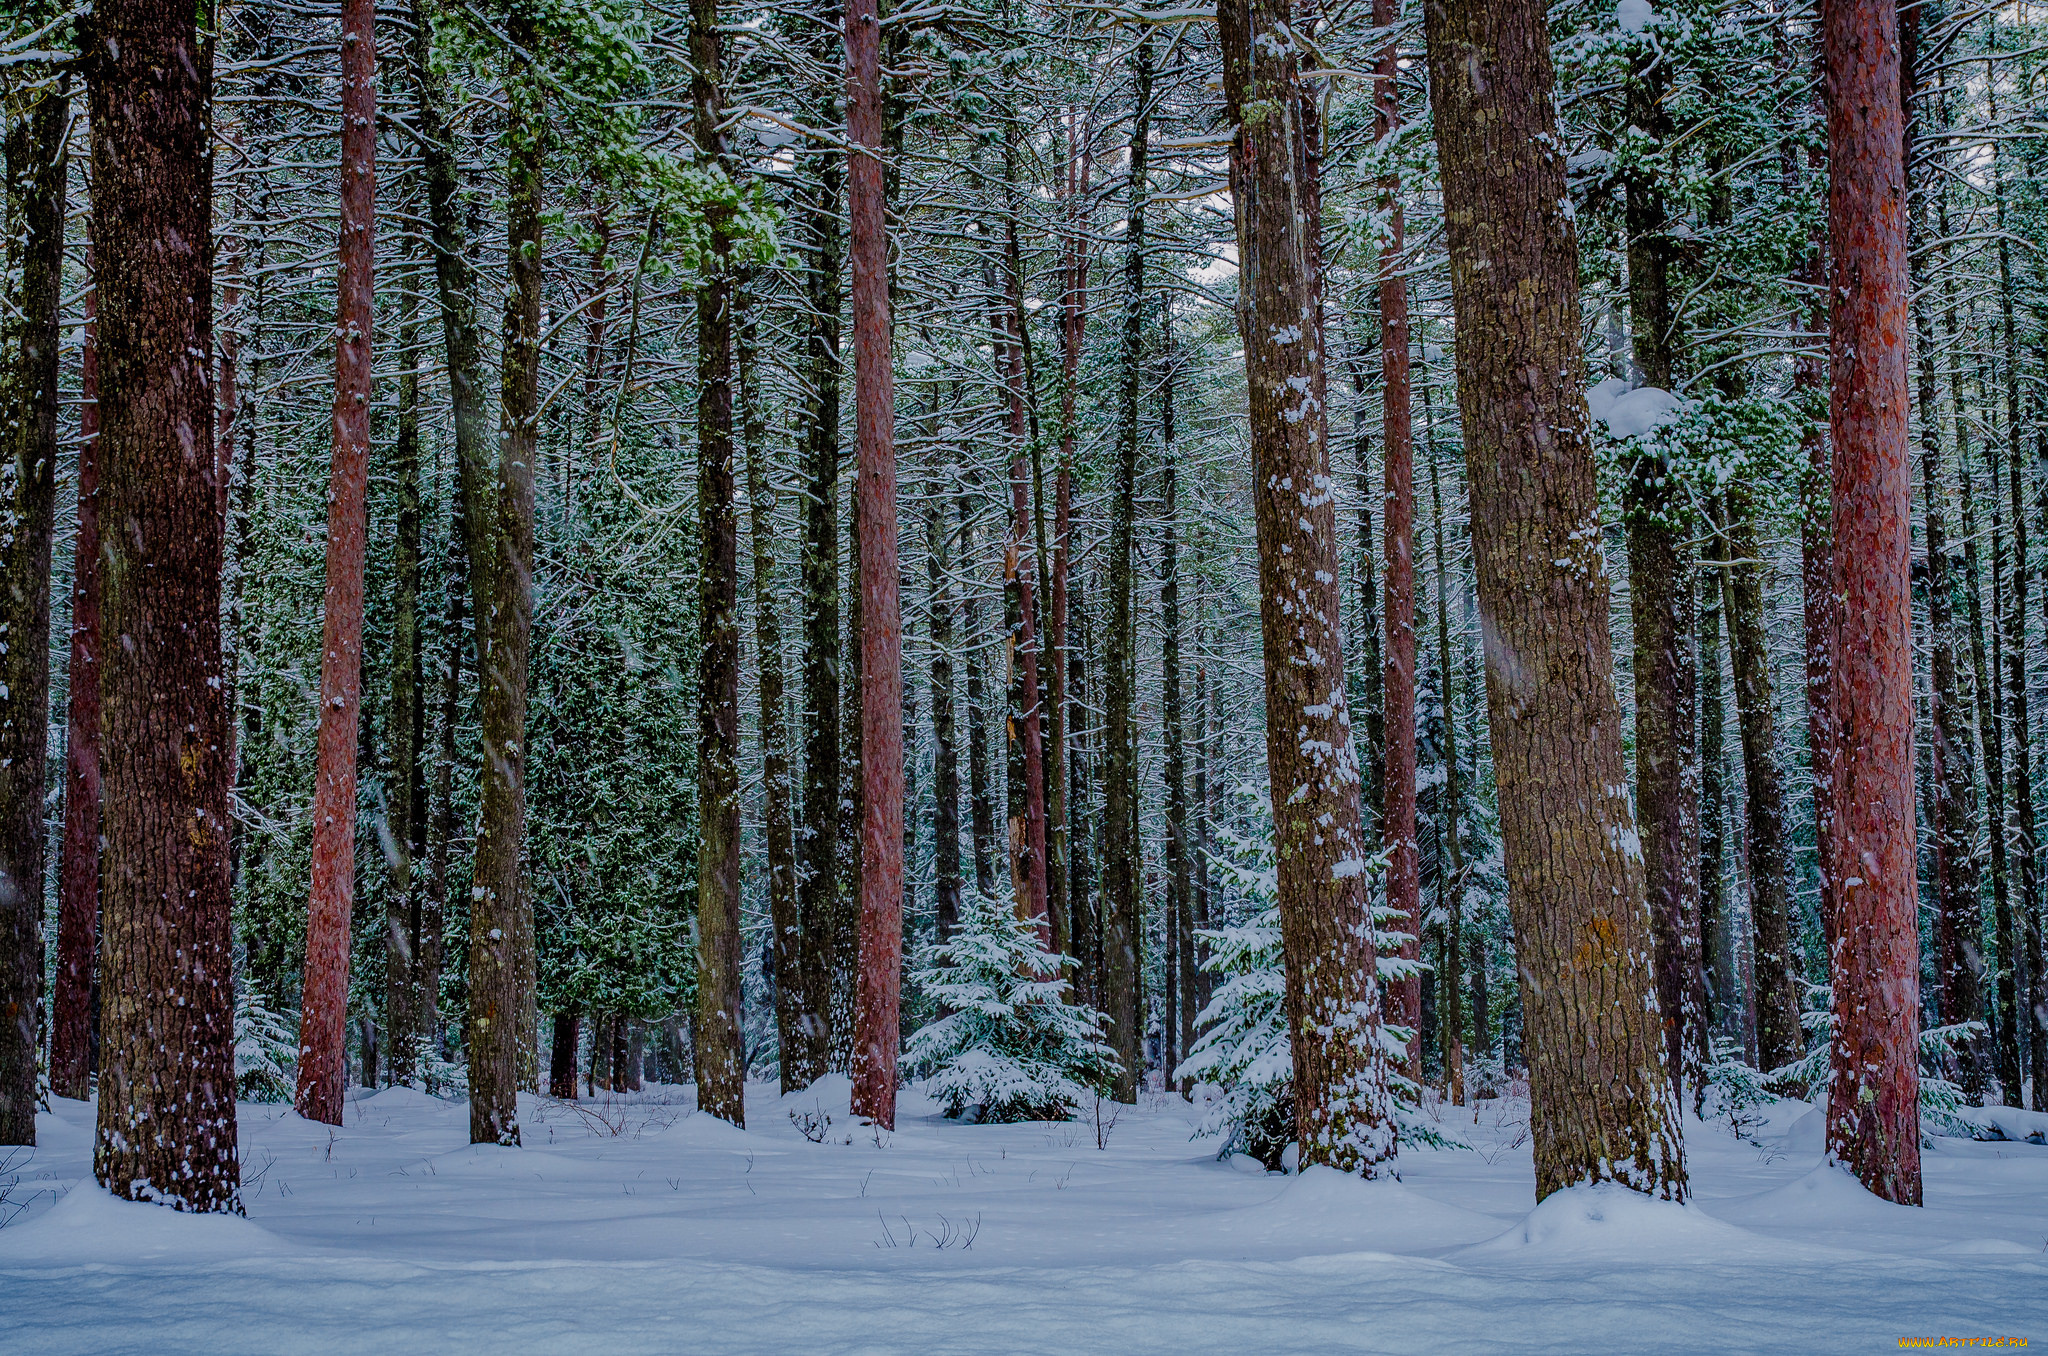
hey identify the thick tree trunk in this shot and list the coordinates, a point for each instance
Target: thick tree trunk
(1779, 1038)
(29, 335)
(720, 1054)
(817, 890)
(1397, 461)
(1067, 859)
(881, 638)
(405, 794)
(1342, 1112)
(166, 1130)
(78, 867)
(1604, 1105)
(1873, 1103)
(500, 921)
(441, 822)
(1122, 888)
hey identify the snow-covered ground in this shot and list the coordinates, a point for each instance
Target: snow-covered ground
(634, 1225)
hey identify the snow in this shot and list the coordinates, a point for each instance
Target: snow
(1633, 16)
(632, 1224)
(1630, 412)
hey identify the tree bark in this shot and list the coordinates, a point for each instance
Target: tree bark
(1873, 1106)
(1660, 610)
(776, 832)
(166, 1121)
(1342, 1113)
(562, 1056)
(323, 1034)
(1173, 732)
(881, 639)
(500, 919)
(29, 337)
(1779, 1038)
(1122, 901)
(817, 890)
(78, 868)
(720, 1054)
(980, 798)
(1397, 462)
(946, 755)
(405, 796)
(1604, 1109)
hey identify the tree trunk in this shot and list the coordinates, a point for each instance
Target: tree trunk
(946, 756)
(1873, 1105)
(1342, 1113)
(500, 924)
(1726, 997)
(405, 799)
(1604, 1106)
(1026, 742)
(1067, 858)
(1085, 917)
(1779, 1038)
(462, 335)
(562, 1057)
(1660, 610)
(881, 639)
(29, 338)
(1122, 901)
(1179, 882)
(1451, 866)
(1397, 462)
(776, 832)
(980, 798)
(166, 1124)
(817, 889)
(78, 868)
(720, 1054)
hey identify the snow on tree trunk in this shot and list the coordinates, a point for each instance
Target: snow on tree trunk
(1341, 1106)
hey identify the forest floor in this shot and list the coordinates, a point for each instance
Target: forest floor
(631, 1225)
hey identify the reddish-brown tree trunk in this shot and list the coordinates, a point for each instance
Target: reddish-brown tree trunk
(1397, 647)
(1020, 611)
(1604, 1109)
(78, 866)
(166, 1128)
(1341, 1109)
(881, 637)
(323, 1057)
(1873, 1096)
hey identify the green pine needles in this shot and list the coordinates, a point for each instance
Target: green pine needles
(1010, 1047)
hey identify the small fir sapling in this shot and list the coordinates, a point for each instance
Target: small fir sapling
(1010, 1046)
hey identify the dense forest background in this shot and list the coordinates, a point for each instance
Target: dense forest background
(1056, 313)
